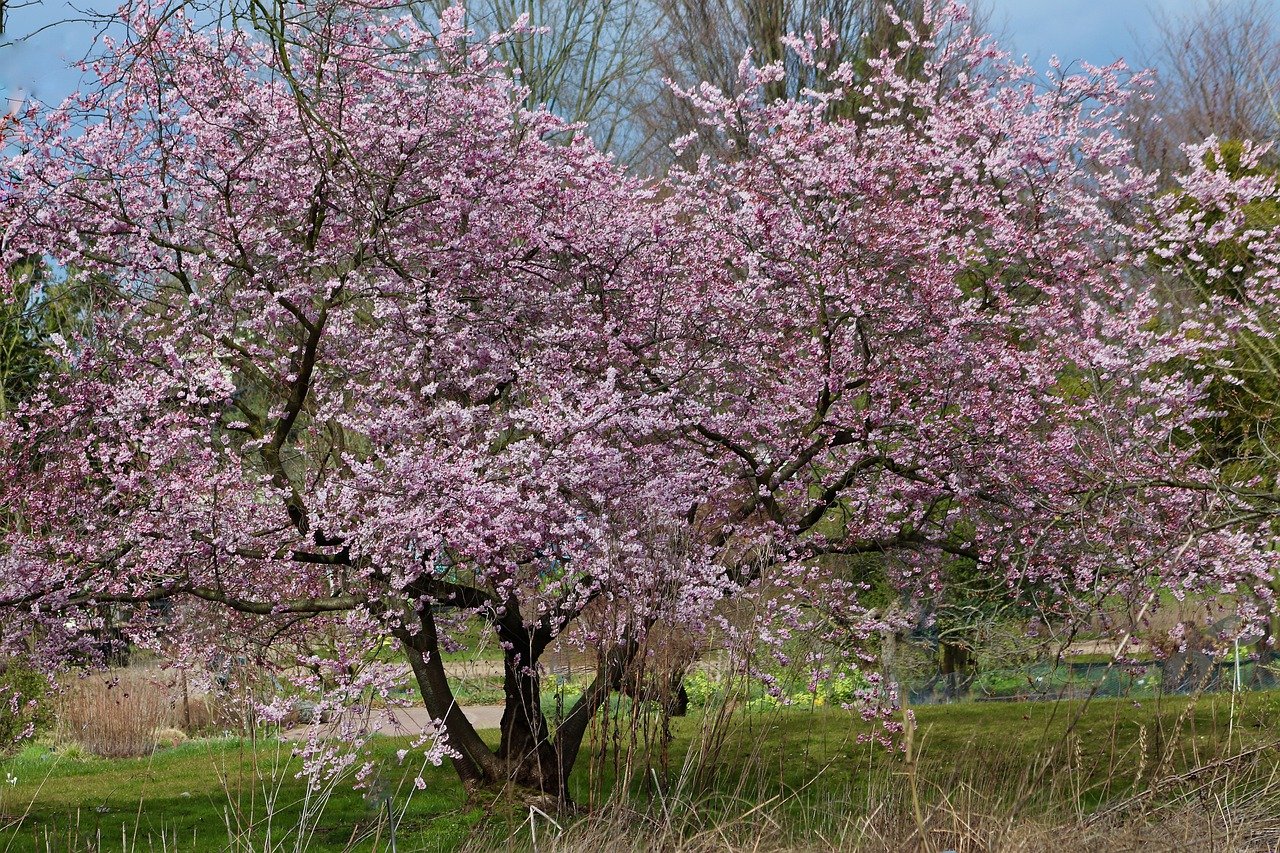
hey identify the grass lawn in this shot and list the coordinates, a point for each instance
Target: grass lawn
(205, 793)
(1100, 748)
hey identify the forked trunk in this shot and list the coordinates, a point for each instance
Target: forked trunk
(527, 749)
(529, 754)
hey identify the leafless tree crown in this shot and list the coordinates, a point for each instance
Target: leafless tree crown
(1218, 73)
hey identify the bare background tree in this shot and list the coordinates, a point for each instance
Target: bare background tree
(610, 63)
(1218, 72)
(584, 59)
(705, 40)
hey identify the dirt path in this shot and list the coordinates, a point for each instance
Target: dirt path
(411, 721)
(1101, 647)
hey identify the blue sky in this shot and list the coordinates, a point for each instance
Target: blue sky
(1096, 30)
(36, 50)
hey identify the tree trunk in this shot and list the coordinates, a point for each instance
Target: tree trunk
(1266, 655)
(889, 665)
(572, 730)
(529, 755)
(526, 748)
(475, 763)
(955, 667)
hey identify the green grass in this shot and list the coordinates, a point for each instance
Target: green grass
(194, 791)
(478, 641)
(810, 758)
(814, 763)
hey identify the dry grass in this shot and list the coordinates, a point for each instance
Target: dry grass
(114, 715)
(1202, 776)
(1232, 806)
(1198, 774)
(126, 713)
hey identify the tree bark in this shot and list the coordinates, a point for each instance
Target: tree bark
(573, 728)
(529, 754)
(475, 763)
(526, 747)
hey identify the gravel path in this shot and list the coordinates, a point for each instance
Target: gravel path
(410, 721)
(473, 668)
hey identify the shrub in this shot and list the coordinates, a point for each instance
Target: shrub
(700, 688)
(168, 738)
(845, 688)
(24, 705)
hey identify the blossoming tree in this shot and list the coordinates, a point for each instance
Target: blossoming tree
(347, 369)
(929, 333)
(373, 355)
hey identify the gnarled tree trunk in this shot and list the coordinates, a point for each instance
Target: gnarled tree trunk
(530, 754)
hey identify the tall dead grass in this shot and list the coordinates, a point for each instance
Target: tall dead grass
(115, 715)
(1179, 782)
(1231, 805)
(118, 714)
